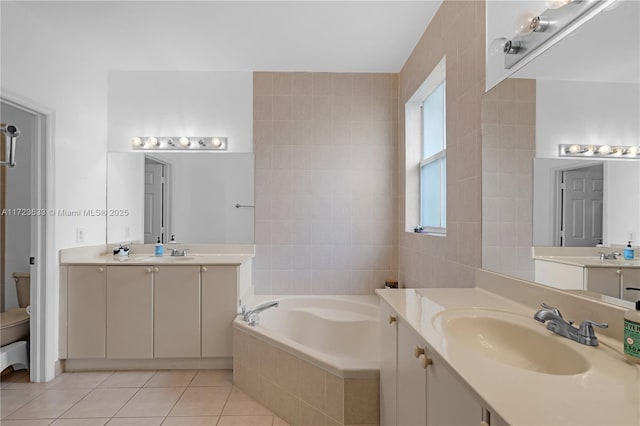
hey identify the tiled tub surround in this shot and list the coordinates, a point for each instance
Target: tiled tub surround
(296, 364)
(326, 182)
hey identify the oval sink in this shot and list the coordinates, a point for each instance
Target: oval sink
(506, 338)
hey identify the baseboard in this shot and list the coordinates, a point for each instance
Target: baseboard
(148, 364)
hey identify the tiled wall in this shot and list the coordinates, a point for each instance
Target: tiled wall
(326, 183)
(458, 32)
(508, 149)
(298, 391)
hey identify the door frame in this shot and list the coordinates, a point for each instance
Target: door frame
(44, 302)
(166, 196)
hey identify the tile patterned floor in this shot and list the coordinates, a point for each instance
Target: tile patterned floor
(131, 398)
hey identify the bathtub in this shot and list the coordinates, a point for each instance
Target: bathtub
(312, 359)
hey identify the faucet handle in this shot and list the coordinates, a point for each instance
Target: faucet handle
(586, 329)
(551, 308)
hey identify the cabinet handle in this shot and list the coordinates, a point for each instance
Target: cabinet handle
(425, 361)
(101, 269)
(417, 351)
(156, 269)
(204, 269)
(392, 319)
(619, 272)
(149, 270)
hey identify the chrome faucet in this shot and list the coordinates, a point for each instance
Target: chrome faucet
(176, 252)
(611, 256)
(251, 315)
(583, 334)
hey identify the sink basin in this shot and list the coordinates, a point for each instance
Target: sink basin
(166, 259)
(511, 339)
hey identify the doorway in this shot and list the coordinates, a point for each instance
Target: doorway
(24, 242)
(581, 194)
(156, 200)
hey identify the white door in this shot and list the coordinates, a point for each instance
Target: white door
(153, 201)
(582, 193)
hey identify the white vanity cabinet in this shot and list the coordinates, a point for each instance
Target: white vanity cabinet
(86, 312)
(140, 315)
(176, 314)
(417, 388)
(129, 312)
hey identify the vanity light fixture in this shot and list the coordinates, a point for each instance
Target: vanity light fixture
(179, 143)
(533, 31)
(602, 151)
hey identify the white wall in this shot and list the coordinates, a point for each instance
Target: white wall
(585, 113)
(180, 103)
(18, 228)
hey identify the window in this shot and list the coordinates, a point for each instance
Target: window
(426, 155)
(433, 164)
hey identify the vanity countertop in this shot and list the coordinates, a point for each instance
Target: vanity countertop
(607, 393)
(591, 261)
(149, 259)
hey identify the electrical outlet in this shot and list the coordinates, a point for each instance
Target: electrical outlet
(80, 235)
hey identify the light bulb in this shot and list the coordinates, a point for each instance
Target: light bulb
(136, 141)
(590, 150)
(216, 142)
(556, 4)
(618, 150)
(497, 46)
(633, 150)
(604, 149)
(575, 149)
(152, 141)
(524, 23)
(184, 141)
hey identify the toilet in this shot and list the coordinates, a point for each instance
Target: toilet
(14, 327)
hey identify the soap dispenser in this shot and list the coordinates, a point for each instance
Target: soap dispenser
(173, 239)
(629, 253)
(632, 332)
(159, 248)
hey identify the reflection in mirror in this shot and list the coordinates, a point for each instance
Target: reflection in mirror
(584, 90)
(190, 195)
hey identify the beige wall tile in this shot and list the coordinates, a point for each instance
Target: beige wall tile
(312, 387)
(361, 401)
(282, 83)
(289, 373)
(302, 83)
(239, 403)
(309, 416)
(262, 83)
(322, 84)
(335, 397)
(289, 408)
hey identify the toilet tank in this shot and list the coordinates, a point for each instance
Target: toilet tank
(23, 288)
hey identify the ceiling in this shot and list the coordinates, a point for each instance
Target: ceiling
(337, 36)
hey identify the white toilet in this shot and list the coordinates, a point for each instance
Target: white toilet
(14, 327)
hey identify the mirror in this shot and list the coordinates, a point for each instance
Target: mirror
(190, 195)
(585, 90)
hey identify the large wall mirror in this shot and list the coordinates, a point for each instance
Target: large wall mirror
(193, 196)
(585, 89)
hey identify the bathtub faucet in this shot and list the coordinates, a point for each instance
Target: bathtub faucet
(251, 315)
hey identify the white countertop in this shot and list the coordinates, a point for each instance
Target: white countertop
(591, 261)
(608, 393)
(149, 259)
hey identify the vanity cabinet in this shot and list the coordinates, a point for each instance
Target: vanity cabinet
(417, 388)
(124, 313)
(176, 318)
(129, 312)
(86, 312)
(219, 308)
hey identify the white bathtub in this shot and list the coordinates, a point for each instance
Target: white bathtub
(336, 333)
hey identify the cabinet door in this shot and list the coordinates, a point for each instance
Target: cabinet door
(219, 295)
(129, 312)
(176, 319)
(449, 402)
(388, 364)
(86, 311)
(603, 280)
(412, 380)
(630, 278)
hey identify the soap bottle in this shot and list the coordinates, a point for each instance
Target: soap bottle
(629, 252)
(159, 248)
(632, 332)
